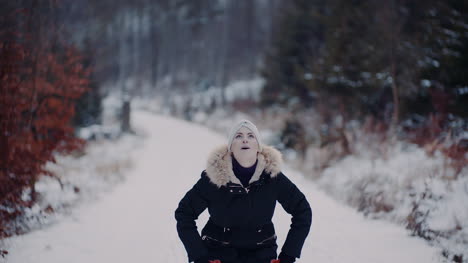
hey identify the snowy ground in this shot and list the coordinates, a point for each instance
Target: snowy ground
(135, 221)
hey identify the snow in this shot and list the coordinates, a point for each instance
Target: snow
(426, 83)
(79, 178)
(308, 76)
(202, 100)
(134, 221)
(406, 183)
(244, 89)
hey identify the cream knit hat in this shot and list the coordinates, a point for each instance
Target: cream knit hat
(247, 124)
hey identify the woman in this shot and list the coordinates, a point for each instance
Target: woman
(240, 187)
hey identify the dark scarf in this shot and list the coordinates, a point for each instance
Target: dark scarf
(244, 174)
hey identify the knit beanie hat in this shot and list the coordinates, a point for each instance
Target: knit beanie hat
(247, 124)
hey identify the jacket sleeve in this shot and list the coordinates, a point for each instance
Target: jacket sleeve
(295, 203)
(190, 207)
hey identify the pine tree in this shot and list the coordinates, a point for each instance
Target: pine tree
(286, 66)
(443, 77)
(89, 107)
(341, 72)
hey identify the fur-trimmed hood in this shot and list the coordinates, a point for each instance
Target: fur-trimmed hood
(219, 165)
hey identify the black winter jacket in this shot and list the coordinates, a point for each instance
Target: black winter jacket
(240, 217)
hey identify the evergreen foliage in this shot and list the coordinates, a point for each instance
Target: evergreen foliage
(297, 39)
(444, 74)
(89, 107)
(293, 134)
(389, 59)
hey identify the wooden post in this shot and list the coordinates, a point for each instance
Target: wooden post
(125, 124)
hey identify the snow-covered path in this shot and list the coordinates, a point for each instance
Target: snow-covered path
(135, 222)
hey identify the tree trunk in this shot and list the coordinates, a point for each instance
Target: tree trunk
(396, 97)
(125, 125)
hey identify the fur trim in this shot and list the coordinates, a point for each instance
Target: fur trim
(219, 165)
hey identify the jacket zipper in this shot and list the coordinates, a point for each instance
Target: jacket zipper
(205, 237)
(247, 190)
(267, 239)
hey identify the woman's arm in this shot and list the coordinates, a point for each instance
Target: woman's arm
(190, 207)
(295, 203)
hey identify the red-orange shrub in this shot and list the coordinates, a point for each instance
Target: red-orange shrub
(39, 84)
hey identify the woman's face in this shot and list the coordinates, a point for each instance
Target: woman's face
(244, 144)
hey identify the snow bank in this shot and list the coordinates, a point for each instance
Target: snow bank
(408, 187)
(78, 179)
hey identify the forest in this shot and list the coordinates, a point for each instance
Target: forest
(334, 74)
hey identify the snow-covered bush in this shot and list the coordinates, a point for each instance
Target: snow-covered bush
(405, 186)
(77, 179)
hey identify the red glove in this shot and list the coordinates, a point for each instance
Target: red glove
(215, 261)
(275, 261)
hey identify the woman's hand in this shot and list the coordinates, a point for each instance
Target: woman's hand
(283, 258)
(206, 260)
